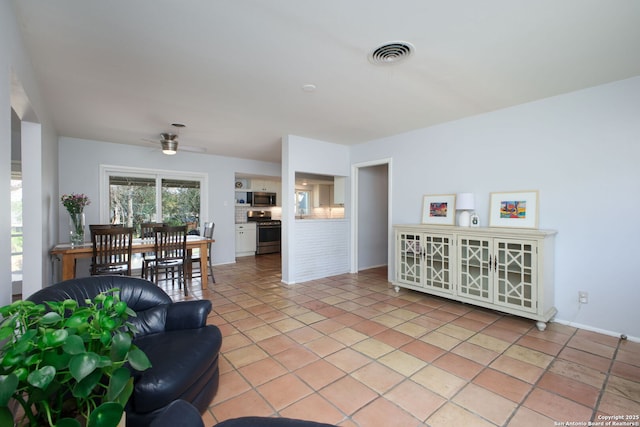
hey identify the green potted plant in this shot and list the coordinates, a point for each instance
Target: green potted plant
(64, 365)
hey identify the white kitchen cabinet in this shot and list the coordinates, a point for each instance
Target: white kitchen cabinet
(265, 185)
(322, 195)
(256, 185)
(508, 270)
(328, 195)
(246, 239)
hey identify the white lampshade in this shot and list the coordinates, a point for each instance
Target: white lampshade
(465, 202)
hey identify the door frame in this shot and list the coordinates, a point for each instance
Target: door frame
(355, 169)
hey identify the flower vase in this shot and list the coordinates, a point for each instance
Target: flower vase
(76, 228)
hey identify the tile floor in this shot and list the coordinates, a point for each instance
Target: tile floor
(348, 350)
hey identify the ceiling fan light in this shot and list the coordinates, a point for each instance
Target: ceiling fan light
(169, 147)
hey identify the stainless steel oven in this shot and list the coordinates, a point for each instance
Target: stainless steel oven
(268, 232)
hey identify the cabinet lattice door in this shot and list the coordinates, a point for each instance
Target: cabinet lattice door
(438, 263)
(515, 274)
(409, 269)
(474, 268)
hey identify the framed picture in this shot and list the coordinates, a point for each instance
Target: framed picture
(439, 209)
(516, 209)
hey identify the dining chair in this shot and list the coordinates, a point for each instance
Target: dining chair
(195, 259)
(147, 232)
(170, 253)
(111, 249)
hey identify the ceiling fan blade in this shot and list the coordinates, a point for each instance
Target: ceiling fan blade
(191, 149)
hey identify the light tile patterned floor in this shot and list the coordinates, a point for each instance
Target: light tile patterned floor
(350, 351)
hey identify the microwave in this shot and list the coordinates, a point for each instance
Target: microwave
(258, 198)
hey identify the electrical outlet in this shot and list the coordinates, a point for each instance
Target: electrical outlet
(583, 297)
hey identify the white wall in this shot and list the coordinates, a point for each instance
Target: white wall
(80, 162)
(581, 151)
(6, 36)
(306, 240)
(32, 189)
(320, 249)
(16, 75)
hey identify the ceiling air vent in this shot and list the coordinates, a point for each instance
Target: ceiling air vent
(391, 53)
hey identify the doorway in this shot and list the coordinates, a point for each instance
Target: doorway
(371, 195)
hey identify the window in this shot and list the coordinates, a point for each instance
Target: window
(136, 196)
(16, 227)
(181, 202)
(132, 200)
(303, 202)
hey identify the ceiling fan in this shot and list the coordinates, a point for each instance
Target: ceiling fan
(169, 144)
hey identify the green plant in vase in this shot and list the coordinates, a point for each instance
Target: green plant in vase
(66, 366)
(75, 204)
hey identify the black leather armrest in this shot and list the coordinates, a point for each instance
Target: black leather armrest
(152, 320)
(187, 315)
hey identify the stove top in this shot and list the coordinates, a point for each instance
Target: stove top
(266, 221)
(262, 218)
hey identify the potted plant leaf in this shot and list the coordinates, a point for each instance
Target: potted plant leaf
(67, 364)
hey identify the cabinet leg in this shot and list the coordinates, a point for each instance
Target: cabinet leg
(396, 288)
(541, 326)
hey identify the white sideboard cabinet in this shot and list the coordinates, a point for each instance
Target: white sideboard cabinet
(508, 270)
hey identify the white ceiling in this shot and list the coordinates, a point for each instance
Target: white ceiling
(233, 70)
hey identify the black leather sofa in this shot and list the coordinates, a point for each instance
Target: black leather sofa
(183, 414)
(182, 348)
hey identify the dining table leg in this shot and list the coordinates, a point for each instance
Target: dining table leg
(204, 277)
(68, 266)
(188, 266)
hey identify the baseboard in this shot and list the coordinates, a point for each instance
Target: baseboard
(371, 267)
(598, 330)
(225, 263)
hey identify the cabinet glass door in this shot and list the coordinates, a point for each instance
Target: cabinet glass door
(409, 266)
(437, 263)
(474, 268)
(515, 273)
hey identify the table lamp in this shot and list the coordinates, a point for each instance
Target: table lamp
(465, 202)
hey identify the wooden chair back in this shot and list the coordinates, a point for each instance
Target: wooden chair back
(147, 229)
(170, 243)
(111, 250)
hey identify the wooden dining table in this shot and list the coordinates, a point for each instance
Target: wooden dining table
(68, 254)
